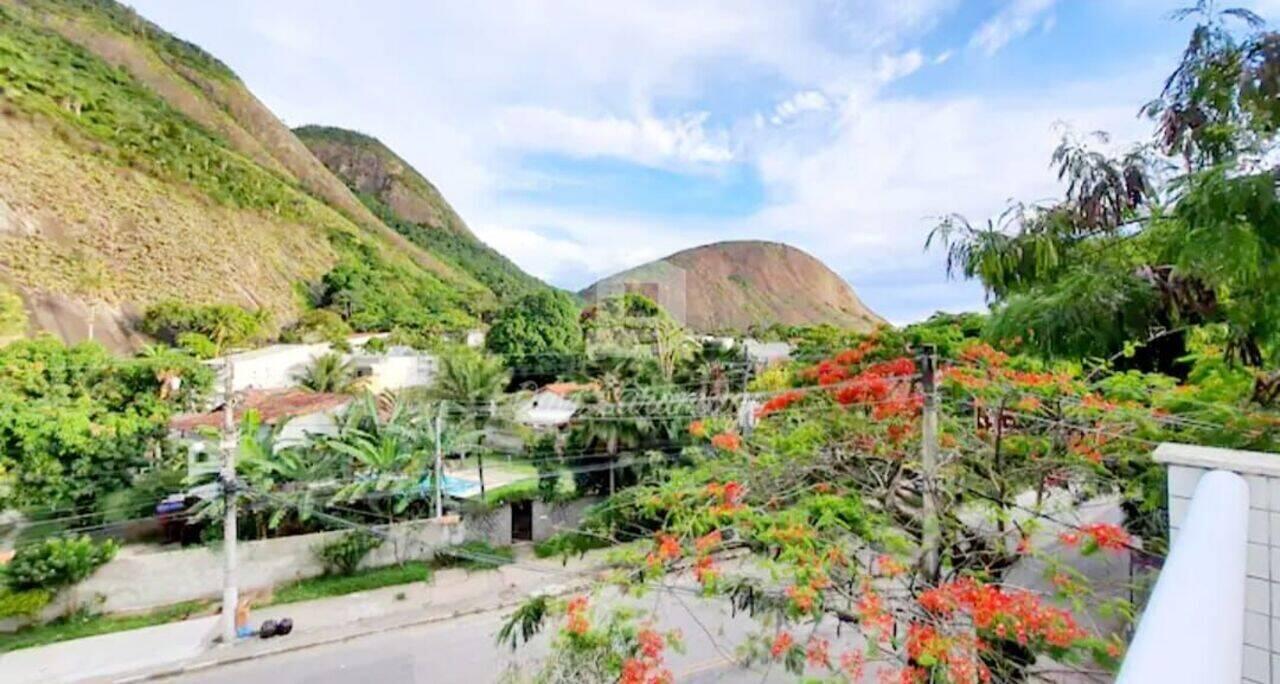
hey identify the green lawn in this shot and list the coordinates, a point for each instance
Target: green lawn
(326, 586)
(80, 626)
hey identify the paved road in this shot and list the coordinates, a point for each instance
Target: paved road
(463, 650)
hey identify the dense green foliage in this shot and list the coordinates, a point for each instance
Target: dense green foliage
(226, 325)
(76, 423)
(56, 562)
(343, 555)
(537, 334)
(463, 250)
(1137, 253)
(374, 293)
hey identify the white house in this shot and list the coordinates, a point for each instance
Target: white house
(397, 368)
(551, 406)
(765, 353)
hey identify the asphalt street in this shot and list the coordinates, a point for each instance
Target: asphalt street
(463, 650)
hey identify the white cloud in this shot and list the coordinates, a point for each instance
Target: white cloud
(1016, 19)
(799, 104)
(796, 91)
(644, 140)
(893, 67)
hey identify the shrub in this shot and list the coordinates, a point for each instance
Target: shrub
(317, 325)
(225, 324)
(569, 543)
(23, 603)
(13, 317)
(57, 562)
(198, 345)
(343, 555)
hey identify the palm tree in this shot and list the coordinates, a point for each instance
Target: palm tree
(329, 373)
(607, 423)
(382, 465)
(293, 476)
(473, 381)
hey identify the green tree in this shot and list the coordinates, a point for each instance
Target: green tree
(76, 423)
(1137, 254)
(328, 373)
(473, 382)
(539, 334)
(226, 325)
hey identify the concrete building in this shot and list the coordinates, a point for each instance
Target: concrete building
(552, 406)
(277, 367)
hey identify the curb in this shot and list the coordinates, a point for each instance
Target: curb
(231, 657)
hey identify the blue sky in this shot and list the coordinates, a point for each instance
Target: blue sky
(581, 138)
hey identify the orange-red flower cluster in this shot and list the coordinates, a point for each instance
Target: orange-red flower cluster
(802, 597)
(705, 570)
(872, 613)
(889, 566)
(729, 495)
(781, 644)
(1106, 536)
(578, 622)
(647, 669)
(850, 357)
(1087, 446)
(954, 652)
(698, 429)
(898, 408)
(818, 652)
(1013, 615)
(708, 541)
(728, 441)
(985, 354)
(668, 547)
(852, 663)
(778, 403)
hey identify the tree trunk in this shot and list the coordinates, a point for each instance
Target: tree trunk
(613, 457)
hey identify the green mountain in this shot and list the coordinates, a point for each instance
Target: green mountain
(405, 200)
(138, 168)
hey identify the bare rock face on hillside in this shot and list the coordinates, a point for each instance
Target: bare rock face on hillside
(735, 285)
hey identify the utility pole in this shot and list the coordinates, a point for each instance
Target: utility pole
(929, 460)
(744, 406)
(439, 477)
(230, 596)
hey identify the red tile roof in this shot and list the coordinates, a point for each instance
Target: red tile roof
(564, 389)
(272, 405)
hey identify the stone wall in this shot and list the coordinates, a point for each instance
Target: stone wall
(549, 519)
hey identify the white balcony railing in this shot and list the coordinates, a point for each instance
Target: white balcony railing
(1193, 627)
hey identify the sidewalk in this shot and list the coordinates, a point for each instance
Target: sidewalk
(166, 650)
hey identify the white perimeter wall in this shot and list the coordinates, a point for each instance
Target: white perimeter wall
(1262, 568)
